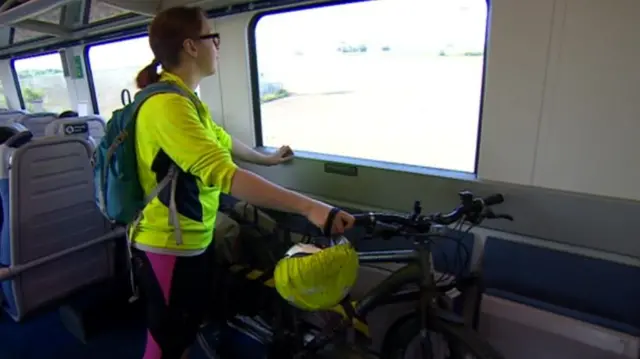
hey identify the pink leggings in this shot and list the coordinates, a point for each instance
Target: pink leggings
(163, 266)
(177, 292)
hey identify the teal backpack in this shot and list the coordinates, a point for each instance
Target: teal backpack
(119, 194)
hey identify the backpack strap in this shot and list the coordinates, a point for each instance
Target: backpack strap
(125, 97)
(171, 178)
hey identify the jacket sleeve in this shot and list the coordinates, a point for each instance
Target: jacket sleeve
(225, 139)
(182, 136)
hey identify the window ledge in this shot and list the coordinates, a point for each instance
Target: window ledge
(397, 167)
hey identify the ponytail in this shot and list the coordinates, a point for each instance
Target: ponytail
(148, 75)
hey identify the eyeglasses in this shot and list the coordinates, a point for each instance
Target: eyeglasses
(215, 37)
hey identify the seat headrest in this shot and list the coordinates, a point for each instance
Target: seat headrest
(68, 127)
(14, 135)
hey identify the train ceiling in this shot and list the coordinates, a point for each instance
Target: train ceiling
(31, 24)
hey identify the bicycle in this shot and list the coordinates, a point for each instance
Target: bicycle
(288, 340)
(434, 315)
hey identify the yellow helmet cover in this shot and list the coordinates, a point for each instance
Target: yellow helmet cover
(311, 278)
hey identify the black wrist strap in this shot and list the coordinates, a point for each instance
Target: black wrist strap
(329, 223)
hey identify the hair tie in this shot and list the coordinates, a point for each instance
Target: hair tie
(155, 63)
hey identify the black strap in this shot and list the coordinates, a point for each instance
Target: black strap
(255, 216)
(125, 97)
(335, 323)
(349, 310)
(329, 223)
(286, 235)
(298, 255)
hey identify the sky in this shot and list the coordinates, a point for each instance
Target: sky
(424, 24)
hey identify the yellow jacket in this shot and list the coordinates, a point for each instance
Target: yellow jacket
(170, 129)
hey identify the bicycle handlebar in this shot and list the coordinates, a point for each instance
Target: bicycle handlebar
(472, 209)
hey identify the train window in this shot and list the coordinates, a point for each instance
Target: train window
(375, 85)
(42, 83)
(114, 67)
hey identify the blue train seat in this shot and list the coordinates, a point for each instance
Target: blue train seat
(9, 116)
(12, 136)
(50, 218)
(36, 122)
(591, 290)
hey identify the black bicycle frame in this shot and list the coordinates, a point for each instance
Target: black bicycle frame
(418, 271)
(388, 291)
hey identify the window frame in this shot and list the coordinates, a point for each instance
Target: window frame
(85, 54)
(16, 79)
(257, 114)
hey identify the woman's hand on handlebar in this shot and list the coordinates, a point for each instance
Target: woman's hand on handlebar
(319, 214)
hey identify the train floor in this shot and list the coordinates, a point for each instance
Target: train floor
(45, 336)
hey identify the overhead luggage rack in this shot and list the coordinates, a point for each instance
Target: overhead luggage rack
(48, 25)
(15, 11)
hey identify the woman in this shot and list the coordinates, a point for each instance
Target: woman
(175, 278)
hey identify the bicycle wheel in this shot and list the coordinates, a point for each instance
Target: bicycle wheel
(462, 342)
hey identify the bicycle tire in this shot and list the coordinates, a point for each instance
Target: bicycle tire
(461, 339)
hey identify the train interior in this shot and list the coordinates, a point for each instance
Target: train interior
(384, 102)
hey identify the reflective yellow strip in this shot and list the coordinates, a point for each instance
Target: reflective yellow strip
(357, 323)
(254, 274)
(361, 327)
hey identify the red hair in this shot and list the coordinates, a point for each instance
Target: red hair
(167, 33)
